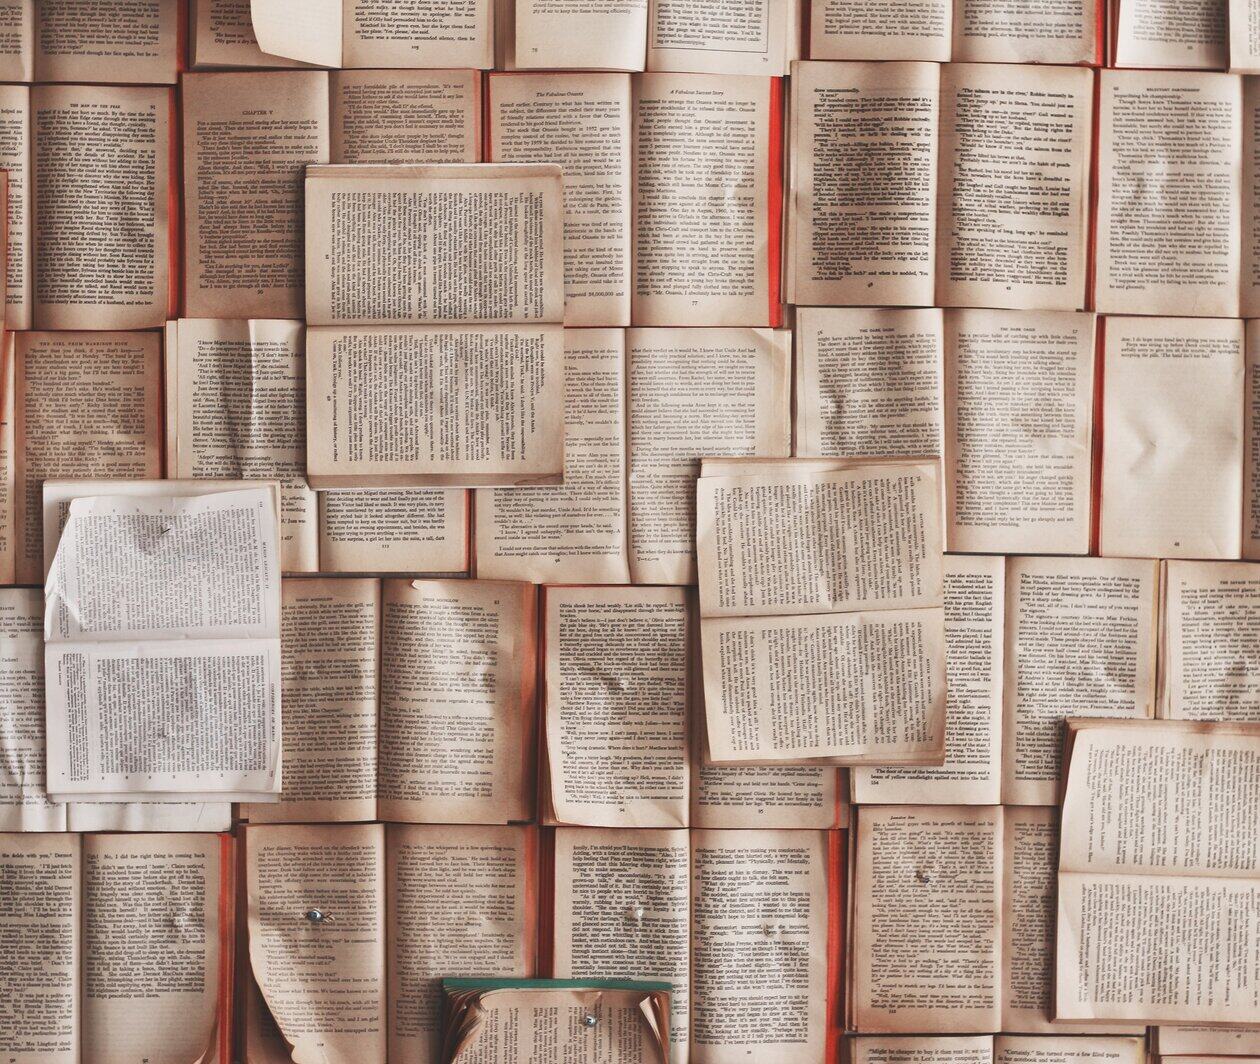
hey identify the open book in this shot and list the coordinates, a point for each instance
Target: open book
(953, 1048)
(1188, 34)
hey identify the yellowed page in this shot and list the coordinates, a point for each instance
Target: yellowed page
(431, 244)
(881, 29)
(151, 958)
(1063, 1048)
(709, 37)
(17, 40)
(1080, 641)
(1251, 443)
(868, 382)
(317, 925)
(695, 393)
(384, 33)
(439, 406)
(581, 122)
(15, 160)
(1010, 31)
(149, 816)
(458, 902)
(42, 937)
(329, 646)
(927, 940)
(575, 532)
(405, 116)
(240, 389)
(971, 773)
(1169, 199)
(766, 796)
(1173, 33)
(125, 41)
(1244, 37)
(701, 251)
(759, 968)
(1189, 1040)
(576, 34)
(1019, 409)
(410, 530)
(622, 904)
(305, 30)
(1013, 218)
(1172, 470)
(87, 404)
(108, 267)
(862, 201)
(8, 462)
(243, 191)
(222, 35)
(456, 717)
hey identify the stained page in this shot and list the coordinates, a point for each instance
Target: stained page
(405, 116)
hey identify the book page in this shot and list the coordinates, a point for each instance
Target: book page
(707, 201)
(923, 1049)
(759, 932)
(131, 41)
(714, 38)
(1251, 443)
(582, 122)
(1190, 1039)
(615, 705)
(149, 816)
(1172, 471)
(306, 30)
(405, 116)
(429, 244)
(17, 40)
(1169, 199)
(15, 160)
(868, 382)
(317, 928)
(1009, 31)
(410, 530)
(1211, 641)
(1019, 410)
(1059, 1046)
(1080, 641)
(457, 701)
(385, 33)
(329, 646)
(8, 460)
(87, 404)
(40, 933)
(1244, 37)
(110, 267)
(222, 33)
(971, 773)
(862, 211)
(622, 904)
(240, 388)
(1173, 33)
(151, 946)
(243, 192)
(1013, 221)
(575, 532)
(459, 899)
(577, 34)
(451, 406)
(881, 29)
(927, 937)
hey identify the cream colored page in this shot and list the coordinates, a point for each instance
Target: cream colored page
(1251, 437)
(405, 116)
(24, 804)
(247, 139)
(426, 244)
(794, 541)
(1052, 1048)
(241, 415)
(1172, 471)
(1009, 31)
(329, 645)
(616, 697)
(695, 393)
(316, 896)
(456, 672)
(1170, 162)
(305, 30)
(868, 382)
(40, 934)
(87, 404)
(409, 530)
(223, 35)
(149, 816)
(17, 40)
(386, 33)
(862, 204)
(151, 947)
(881, 29)
(457, 902)
(713, 38)
(1019, 406)
(1211, 641)
(15, 160)
(765, 796)
(701, 248)
(928, 909)
(1013, 217)
(575, 532)
(450, 406)
(582, 122)
(759, 966)
(1244, 36)
(8, 461)
(108, 267)
(971, 773)
(622, 904)
(1189, 1040)
(133, 41)
(1080, 642)
(1173, 33)
(923, 1049)
(560, 34)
